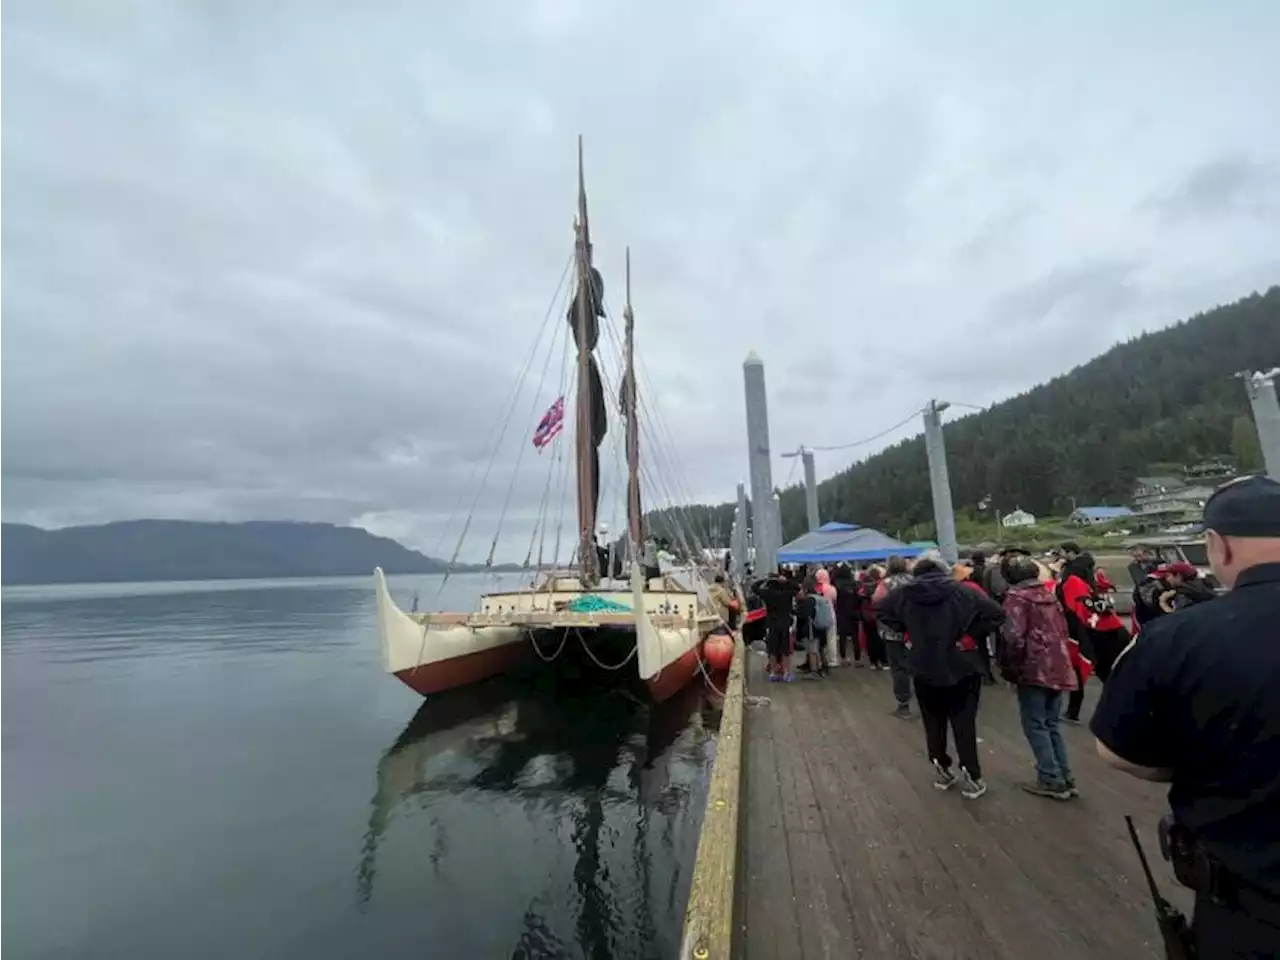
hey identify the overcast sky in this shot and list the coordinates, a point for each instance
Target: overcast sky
(285, 259)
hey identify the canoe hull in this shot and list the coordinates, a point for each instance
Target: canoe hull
(461, 671)
(438, 652)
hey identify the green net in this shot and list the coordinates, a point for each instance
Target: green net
(594, 603)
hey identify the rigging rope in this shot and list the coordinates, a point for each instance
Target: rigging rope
(515, 394)
(515, 472)
(508, 401)
(540, 525)
(645, 408)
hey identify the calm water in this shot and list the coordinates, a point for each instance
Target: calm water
(223, 769)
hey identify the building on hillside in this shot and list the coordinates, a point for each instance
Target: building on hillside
(1145, 488)
(1090, 516)
(1018, 518)
(1169, 499)
(1211, 472)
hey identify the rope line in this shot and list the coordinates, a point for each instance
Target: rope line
(564, 638)
(874, 437)
(507, 402)
(515, 472)
(515, 394)
(594, 659)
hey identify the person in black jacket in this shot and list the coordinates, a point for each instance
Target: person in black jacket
(848, 614)
(940, 618)
(778, 594)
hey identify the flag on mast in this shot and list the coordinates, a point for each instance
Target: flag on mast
(550, 425)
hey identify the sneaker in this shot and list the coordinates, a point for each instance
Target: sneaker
(775, 677)
(788, 677)
(1072, 789)
(1074, 721)
(943, 778)
(1043, 788)
(903, 711)
(971, 788)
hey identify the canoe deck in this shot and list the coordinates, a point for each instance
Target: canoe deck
(846, 850)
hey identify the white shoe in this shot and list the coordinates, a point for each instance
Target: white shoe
(971, 788)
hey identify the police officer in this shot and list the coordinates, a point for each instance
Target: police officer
(1195, 702)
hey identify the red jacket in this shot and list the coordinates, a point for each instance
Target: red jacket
(1081, 600)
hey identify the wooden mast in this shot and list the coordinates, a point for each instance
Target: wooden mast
(635, 526)
(585, 446)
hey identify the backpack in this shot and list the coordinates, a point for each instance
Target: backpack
(823, 618)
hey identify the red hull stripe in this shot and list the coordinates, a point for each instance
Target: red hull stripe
(464, 670)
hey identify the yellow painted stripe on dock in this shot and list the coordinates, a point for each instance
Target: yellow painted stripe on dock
(708, 920)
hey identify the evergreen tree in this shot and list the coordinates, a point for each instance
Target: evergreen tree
(1166, 396)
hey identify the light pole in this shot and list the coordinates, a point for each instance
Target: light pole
(944, 517)
(1266, 415)
(810, 486)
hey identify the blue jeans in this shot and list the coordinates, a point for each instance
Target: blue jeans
(1040, 708)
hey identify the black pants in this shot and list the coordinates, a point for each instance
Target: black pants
(876, 652)
(956, 707)
(897, 651)
(1076, 700)
(1247, 929)
(1107, 648)
(778, 639)
(847, 641)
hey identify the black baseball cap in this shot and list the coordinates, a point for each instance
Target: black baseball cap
(1245, 507)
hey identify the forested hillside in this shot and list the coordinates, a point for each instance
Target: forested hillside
(1164, 397)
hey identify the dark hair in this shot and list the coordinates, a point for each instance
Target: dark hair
(895, 566)
(927, 565)
(1081, 566)
(978, 558)
(719, 578)
(1017, 567)
(1070, 547)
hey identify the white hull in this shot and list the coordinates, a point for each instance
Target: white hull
(437, 651)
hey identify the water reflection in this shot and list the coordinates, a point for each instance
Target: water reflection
(617, 783)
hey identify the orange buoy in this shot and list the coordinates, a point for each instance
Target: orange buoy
(717, 650)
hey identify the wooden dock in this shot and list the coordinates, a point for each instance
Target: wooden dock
(846, 849)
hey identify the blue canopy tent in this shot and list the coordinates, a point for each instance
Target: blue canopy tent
(834, 542)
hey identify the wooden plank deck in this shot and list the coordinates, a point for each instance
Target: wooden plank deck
(846, 850)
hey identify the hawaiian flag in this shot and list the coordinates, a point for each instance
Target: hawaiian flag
(550, 425)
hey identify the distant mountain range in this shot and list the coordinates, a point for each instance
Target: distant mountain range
(141, 550)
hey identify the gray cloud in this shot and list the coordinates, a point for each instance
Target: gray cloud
(1224, 187)
(285, 260)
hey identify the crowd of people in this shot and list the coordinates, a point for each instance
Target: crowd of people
(1188, 685)
(943, 632)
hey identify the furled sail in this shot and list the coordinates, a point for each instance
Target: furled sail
(595, 400)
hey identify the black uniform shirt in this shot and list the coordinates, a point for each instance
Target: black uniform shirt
(1199, 693)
